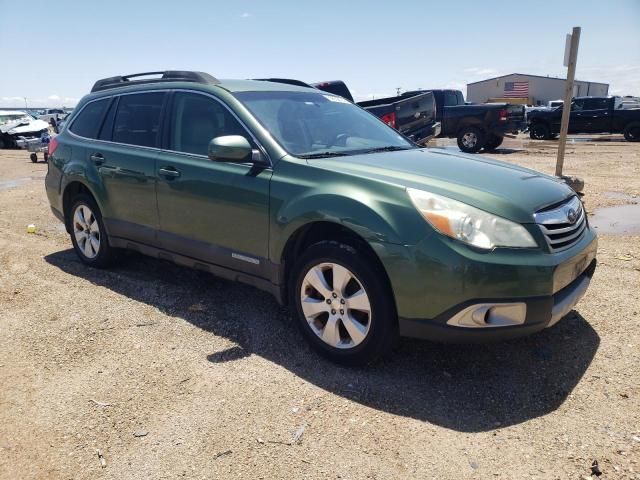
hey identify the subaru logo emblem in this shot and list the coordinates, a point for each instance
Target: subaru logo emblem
(572, 216)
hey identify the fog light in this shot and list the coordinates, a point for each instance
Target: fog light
(483, 315)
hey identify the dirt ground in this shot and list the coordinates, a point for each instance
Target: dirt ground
(173, 373)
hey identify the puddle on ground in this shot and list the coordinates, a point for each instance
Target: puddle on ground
(621, 196)
(623, 219)
(15, 182)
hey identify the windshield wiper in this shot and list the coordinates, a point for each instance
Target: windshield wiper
(323, 155)
(390, 148)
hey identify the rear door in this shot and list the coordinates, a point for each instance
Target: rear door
(597, 115)
(125, 160)
(213, 211)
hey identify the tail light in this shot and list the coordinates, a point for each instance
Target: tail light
(389, 119)
(53, 144)
(503, 115)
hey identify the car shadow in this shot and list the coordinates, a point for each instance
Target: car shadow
(468, 388)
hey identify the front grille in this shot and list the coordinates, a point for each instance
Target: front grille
(564, 225)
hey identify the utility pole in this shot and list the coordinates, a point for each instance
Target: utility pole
(570, 63)
(398, 91)
(25, 103)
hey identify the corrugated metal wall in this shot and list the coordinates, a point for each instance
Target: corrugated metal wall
(541, 89)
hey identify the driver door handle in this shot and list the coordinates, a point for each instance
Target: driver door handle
(97, 158)
(169, 172)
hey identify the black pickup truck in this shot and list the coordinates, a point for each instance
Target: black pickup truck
(412, 115)
(476, 125)
(588, 115)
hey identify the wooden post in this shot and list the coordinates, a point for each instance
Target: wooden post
(568, 94)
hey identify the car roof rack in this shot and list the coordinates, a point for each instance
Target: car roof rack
(288, 81)
(165, 76)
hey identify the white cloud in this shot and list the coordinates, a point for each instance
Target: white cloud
(481, 71)
(36, 102)
(622, 79)
(245, 15)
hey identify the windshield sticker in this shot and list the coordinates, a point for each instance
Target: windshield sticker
(334, 98)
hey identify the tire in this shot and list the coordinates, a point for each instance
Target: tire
(357, 337)
(471, 139)
(539, 131)
(84, 216)
(46, 157)
(33, 157)
(493, 142)
(632, 132)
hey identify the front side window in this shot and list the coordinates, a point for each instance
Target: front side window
(309, 124)
(196, 120)
(88, 122)
(137, 120)
(577, 105)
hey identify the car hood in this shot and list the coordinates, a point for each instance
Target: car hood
(24, 127)
(497, 187)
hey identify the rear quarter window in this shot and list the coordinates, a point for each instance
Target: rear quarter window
(89, 120)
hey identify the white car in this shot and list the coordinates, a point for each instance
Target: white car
(17, 124)
(57, 113)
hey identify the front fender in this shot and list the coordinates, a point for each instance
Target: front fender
(375, 211)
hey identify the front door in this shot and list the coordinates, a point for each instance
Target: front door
(217, 212)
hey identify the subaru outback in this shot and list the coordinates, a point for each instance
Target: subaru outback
(301, 193)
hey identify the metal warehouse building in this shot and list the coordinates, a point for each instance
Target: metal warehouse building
(529, 89)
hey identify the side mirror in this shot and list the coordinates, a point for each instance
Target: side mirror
(230, 148)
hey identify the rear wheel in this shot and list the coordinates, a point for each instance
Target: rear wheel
(471, 139)
(88, 233)
(632, 132)
(343, 304)
(493, 142)
(539, 131)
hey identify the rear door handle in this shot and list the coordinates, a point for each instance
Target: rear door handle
(169, 172)
(97, 158)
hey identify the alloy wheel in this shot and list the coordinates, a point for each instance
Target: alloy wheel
(86, 231)
(336, 305)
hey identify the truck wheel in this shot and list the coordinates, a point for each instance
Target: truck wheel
(632, 132)
(33, 157)
(343, 304)
(493, 142)
(539, 131)
(471, 139)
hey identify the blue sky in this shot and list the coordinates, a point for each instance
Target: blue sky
(53, 51)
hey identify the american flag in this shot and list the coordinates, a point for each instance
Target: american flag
(516, 89)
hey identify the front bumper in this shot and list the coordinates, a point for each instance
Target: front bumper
(435, 281)
(541, 313)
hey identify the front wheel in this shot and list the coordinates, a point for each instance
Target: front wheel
(33, 157)
(88, 233)
(539, 131)
(343, 304)
(471, 139)
(632, 132)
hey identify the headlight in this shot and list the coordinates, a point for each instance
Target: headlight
(469, 224)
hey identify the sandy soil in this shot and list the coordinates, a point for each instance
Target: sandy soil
(172, 373)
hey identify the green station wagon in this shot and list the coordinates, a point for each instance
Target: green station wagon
(299, 192)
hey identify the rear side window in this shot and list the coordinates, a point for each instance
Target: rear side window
(137, 120)
(88, 122)
(196, 120)
(596, 104)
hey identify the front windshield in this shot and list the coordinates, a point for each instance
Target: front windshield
(316, 125)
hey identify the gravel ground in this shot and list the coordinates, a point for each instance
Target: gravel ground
(173, 373)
